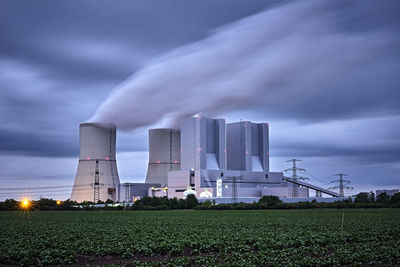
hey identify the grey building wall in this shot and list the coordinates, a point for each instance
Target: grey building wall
(132, 190)
(247, 146)
(203, 144)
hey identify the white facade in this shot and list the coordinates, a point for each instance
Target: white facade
(97, 175)
(236, 153)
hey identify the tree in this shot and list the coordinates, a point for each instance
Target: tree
(191, 201)
(383, 198)
(362, 197)
(269, 201)
(109, 201)
(371, 197)
(45, 204)
(395, 199)
(9, 204)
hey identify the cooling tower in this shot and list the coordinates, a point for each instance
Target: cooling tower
(164, 154)
(97, 175)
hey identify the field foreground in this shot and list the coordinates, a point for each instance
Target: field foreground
(190, 237)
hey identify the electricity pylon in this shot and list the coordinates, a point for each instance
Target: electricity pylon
(96, 183)
(295, 169)
(341, 185)
(234, 186)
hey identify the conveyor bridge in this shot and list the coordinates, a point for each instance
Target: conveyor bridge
(318, 189)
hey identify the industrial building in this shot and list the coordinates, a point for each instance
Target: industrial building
(206, 157)
(228, 160)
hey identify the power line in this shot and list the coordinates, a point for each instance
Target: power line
(47, 187)
(41, 187)
(313, 176)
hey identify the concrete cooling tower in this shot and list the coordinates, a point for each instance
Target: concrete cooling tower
(97, 175)
(164, 155)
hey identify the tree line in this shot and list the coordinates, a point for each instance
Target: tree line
(362, 200)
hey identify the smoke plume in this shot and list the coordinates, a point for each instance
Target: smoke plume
(288, 52)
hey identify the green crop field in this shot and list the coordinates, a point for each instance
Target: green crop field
(190, 237)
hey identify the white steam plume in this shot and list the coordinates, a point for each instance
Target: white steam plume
(269, 58)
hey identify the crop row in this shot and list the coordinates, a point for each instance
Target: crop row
(234, 238)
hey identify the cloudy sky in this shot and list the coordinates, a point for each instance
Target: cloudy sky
(325, 76)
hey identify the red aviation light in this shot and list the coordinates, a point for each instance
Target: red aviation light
(158, 161)
(175, 161)
(87, 158)
(200, 149)
(107, 158)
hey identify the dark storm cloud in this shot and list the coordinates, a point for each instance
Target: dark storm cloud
(52, 34)
(302, 56)
(366, 141)
(58, 61)
(361, 155)
(37, 144)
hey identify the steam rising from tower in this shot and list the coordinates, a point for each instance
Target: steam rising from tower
(290, 51)
(97, 175)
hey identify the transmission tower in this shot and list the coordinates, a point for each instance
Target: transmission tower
(234, 186)
(295, 169)
(96, 183)
(342, 184)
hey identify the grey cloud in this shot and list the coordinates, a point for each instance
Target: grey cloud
(59, 61)
(297, 56)
(364, 155)
(37, 144)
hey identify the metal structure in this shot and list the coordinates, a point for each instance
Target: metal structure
(341, 185)
(132, 191)
(295, 177)
(164, 155)
(97, 175)
(317, 189)
(234, 179)
(96, 183)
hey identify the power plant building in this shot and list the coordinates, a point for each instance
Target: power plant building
(237, 154)
(205, 156)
